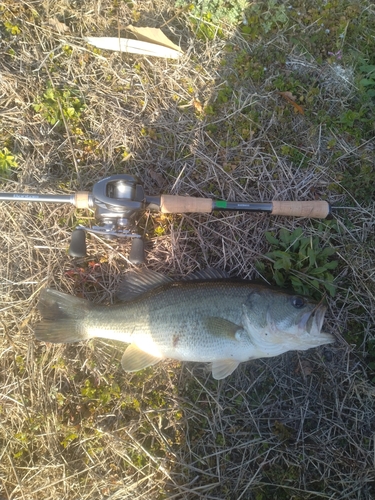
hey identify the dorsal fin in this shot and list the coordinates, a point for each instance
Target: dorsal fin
(138, 283)
(210, 273)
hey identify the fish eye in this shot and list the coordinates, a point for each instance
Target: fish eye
(298, 302)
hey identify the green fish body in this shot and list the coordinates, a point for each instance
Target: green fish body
(205, 318)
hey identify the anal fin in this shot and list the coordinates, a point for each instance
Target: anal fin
(135, 359)
(223, 368)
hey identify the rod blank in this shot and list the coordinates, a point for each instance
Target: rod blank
(80, 199)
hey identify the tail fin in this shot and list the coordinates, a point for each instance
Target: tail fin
(63, 317)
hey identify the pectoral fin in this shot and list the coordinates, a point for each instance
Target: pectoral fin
(135, 359)
(222, 327)
(223, 368)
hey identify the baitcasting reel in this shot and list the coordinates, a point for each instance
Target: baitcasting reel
(117, 200)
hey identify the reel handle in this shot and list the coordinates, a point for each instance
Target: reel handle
(77, 247)
(137, 251)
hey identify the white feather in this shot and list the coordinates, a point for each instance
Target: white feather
(132, 46)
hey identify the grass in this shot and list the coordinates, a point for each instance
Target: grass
(301, 426)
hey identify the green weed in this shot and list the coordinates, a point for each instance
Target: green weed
(367, 82)
(101, 395)
(12, 29)
(300, 262)
(215, 11)
(263, 18)
(7, 161)
(58, 104)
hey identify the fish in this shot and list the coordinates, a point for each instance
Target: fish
(205, 317)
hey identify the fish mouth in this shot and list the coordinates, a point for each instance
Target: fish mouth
(312, 321)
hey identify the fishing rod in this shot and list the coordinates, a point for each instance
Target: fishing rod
(118, 198)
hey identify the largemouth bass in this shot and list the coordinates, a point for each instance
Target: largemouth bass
(205, 318)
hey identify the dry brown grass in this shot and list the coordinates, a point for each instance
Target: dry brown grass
(72, 425)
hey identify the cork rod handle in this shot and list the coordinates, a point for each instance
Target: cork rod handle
(170, 204)
(81, 199)
(312, 209)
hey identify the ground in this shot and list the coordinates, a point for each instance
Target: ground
(271, 100)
